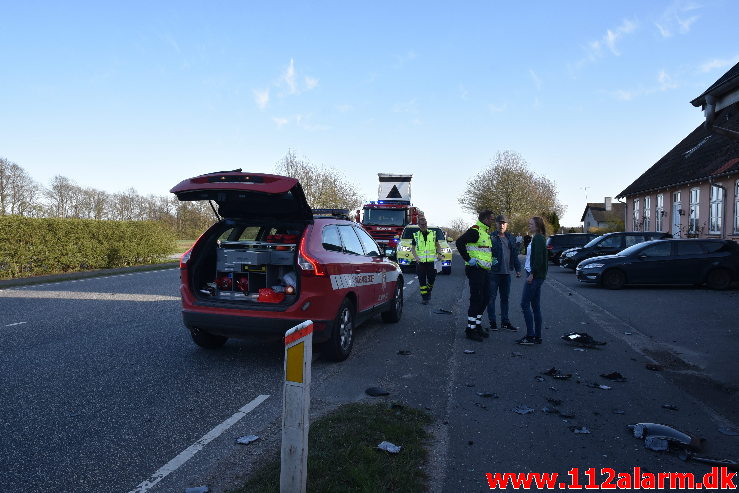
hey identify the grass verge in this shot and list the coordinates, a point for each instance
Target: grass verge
(343, 456)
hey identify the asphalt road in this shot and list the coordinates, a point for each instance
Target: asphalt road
(102, 387)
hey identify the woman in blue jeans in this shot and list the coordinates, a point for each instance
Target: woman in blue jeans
(536, 273)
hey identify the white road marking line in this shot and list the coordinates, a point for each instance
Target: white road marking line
(17, 323)
(193, 449)
(80, 295)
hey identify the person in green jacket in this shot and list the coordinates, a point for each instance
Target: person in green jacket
(536, 273)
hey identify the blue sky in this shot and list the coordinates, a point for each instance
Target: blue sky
(144, 94)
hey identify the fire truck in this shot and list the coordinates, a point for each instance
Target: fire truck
(385, 219)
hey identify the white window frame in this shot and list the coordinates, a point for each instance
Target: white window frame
(695, 197)
(647, 213)
(659, 212)
(636, 215)
(716, 210)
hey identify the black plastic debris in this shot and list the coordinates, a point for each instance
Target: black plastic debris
(523, 410)
(539, 378)
(582, 339)
(404, 352)
(665, 435)
(650, 366)
(442, 311)
(555, 373)
(376, 392)
(567, 414)
(732, 432)
(728, 463)
(619, 411)
(488, 395)
(580, 431)
(549, 410)
(599, 386)
(554, 402)
(671, 407)
(516, 354)
(469, 385)
(481, 405)
(614, 375)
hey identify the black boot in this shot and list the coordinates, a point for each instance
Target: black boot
(473, 334)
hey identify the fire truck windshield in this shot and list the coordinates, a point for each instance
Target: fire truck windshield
(384, 217)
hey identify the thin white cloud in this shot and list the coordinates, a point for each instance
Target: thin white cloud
(281, 122)
(665, 81)
(497, 108)
(677, 18)
(594, 50)
(717, 63)
(536, 79)
(343, 108)
(288, 77)
(301, 121)
(405, 107)
(261, 98)
(310, 83)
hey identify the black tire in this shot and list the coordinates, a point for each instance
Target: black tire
(340, 343)
(206, 339)
(613, 279)
(718, 279)
(446, 270)
(393, 314)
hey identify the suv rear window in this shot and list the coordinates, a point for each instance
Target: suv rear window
(690, 248)
(351, 242)
(331, 239)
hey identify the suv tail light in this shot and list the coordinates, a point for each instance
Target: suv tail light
(185, 258)
(308, 263)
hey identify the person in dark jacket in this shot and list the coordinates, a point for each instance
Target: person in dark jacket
(474, 247)
(536, 270)
(505, 250)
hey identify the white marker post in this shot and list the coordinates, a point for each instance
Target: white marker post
(295, 407)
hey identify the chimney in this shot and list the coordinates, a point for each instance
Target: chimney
(608, 203)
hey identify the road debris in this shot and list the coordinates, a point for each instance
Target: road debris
(376, 392)
(653, 367)
(580, 431)
(732, 432)
(516, 354)
(619, 411)
(247, 439)
(523, 409)
(554, 402)
(469, 351)
(582, 339)
(389, 447)
(442, 311)
(404, 352)
(663, 435)
(539, 378)
(555, 373)
(488, 395)
(197, 489)
(671, 407)
(599, 386)
(614, 375)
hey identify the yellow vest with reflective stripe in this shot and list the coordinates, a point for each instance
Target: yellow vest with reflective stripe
(425, 249)
(481, 250)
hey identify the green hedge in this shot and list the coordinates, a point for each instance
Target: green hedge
(38, 246)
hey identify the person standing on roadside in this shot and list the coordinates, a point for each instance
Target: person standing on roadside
(526, 241)
(505, 251)
(519, 242)
(536, 270)
(474, 247)
(425, 249)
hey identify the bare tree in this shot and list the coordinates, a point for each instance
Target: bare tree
(508, 187)
(323, 187)
(18, 192)
(457, 228)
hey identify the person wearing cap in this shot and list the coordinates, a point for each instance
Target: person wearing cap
(425, 249)
(474, 247)
(505, 250)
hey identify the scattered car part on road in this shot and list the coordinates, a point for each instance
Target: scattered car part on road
(376, 392)
(582, 339)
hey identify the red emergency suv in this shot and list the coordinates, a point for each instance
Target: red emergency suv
(269, 264)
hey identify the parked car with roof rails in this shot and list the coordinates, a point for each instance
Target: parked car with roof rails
(607, 244)
(269, 264)
(671, 261)
(556, 244)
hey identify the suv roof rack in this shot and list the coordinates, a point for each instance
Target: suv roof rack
(338, 213)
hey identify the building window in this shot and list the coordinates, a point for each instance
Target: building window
(694, 210)
(736, 208)
(636, 215)
(716, 212)
(647, 213)
(659, 212)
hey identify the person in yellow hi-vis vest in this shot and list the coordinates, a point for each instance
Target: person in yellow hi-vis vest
(425, 249)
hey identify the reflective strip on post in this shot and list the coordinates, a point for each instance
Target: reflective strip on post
(295, 407)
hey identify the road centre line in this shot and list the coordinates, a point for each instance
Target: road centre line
(17, 323)
(193, 449)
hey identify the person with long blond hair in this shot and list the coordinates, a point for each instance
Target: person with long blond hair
(536, 272)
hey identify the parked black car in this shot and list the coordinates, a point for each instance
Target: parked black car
(556, 244)
(711, 262)
(607, 244)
